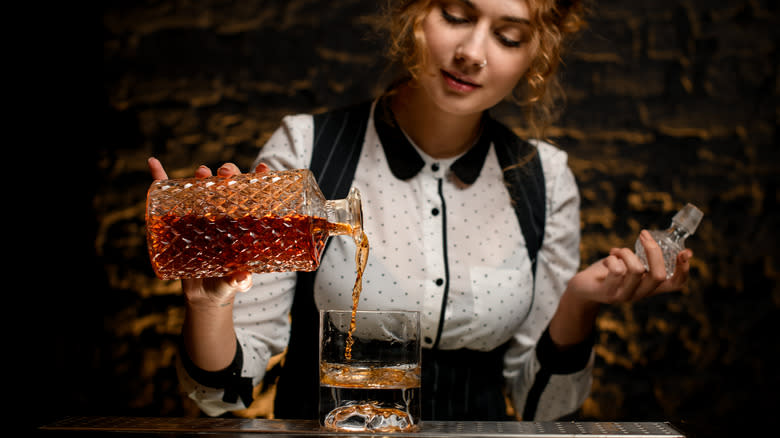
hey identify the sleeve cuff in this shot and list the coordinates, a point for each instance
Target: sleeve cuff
(228, 378)
(570, 360)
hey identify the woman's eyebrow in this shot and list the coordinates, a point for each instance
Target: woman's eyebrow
(468, 3)
(513, 19)
(510, 18)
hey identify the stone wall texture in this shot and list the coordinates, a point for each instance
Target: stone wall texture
(669, 102)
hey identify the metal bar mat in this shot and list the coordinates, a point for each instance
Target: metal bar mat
(242, 427)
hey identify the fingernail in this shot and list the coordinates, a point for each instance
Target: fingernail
(245, 282)
(223, 171)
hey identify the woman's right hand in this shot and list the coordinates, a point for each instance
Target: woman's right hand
(210, 292)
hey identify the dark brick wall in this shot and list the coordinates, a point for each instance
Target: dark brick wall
(669, 102)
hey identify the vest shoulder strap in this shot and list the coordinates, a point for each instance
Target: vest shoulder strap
(524, 179)
(338, 140)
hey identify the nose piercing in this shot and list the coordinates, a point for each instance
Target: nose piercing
(483, 64)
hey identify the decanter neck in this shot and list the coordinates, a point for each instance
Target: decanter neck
(348, 211)
(677, 233)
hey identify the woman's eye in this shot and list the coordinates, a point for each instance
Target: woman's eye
(452, 17)
(512, 36)
(507, 41)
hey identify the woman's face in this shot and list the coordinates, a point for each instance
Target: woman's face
(477, 52)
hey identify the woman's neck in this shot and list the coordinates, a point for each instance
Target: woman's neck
(437, 133)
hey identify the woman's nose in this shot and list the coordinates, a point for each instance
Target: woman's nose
(471, 49)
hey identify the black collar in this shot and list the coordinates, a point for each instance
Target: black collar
(405, 162)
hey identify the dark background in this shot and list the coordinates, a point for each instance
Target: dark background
(669, 102)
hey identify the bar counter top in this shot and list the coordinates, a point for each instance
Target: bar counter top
(236, 427)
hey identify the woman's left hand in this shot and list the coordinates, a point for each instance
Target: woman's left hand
(621, 277)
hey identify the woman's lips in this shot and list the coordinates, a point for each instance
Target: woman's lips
(459, 83)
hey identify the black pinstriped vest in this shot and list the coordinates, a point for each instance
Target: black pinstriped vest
(459, 384)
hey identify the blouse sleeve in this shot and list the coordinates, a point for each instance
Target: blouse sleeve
(260, 315)
(545, 384)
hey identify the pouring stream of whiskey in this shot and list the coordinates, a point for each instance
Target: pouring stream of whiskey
(361, 258)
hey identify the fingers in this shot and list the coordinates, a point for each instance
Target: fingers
(228, 169)
(626, 278)
(225, 287)
(215, 292)
(240, 281)
(262, 167)
(681, 273)
(656, 271)
(639, 282)
(613, 280)
(655, 256)
(634, 273)
(156, 169)
(202, 172)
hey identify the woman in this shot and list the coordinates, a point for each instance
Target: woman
(445, 238)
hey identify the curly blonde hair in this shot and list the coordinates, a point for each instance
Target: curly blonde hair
(539, 92)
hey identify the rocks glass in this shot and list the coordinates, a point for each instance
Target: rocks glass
(369, 371)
